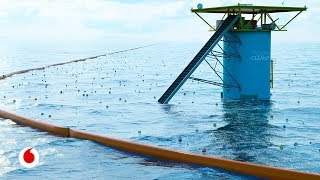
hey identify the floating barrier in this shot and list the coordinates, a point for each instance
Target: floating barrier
(68, 62)
(36, 124)
(164, 153)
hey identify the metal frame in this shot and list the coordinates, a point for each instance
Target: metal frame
(234, 49)
(291, 20)
(207, 81)
(214, 55)
(249, 9)
(214, 29)
(262, 11)
(199, 62)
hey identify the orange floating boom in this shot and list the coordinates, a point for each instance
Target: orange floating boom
(168, 154)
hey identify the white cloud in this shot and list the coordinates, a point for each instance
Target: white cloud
(3, 14)
(68, 19)
(84, 20)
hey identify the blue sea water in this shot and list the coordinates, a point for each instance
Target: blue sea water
(117, 95)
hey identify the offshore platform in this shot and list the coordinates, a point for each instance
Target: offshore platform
(244, 55)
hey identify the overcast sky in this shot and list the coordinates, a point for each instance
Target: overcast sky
(62, 21)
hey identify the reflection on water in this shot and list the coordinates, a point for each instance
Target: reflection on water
(247, 127)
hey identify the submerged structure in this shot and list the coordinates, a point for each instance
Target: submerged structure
(245, 31)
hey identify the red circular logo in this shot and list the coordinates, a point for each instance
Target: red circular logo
(29, 157)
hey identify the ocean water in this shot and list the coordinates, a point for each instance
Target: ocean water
(117, 95)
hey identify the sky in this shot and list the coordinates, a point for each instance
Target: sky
(121, 21)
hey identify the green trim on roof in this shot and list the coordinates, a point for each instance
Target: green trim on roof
(249, 9)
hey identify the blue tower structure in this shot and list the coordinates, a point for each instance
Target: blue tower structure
(251, 70)
(245, 55)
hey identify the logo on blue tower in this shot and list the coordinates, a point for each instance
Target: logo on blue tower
(261, 56)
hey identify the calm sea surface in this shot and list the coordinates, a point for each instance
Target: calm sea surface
(117, 95)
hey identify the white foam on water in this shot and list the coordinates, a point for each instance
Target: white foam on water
(7, 142)
(7, 122)
(48, 151)
(60, 155)
(37, 141)
(44, 153)
(5, 164)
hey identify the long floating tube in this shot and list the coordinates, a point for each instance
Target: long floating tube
(168, 154)
(68, 62)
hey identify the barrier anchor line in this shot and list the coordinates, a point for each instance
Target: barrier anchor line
(164, 153)
(4, 76)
